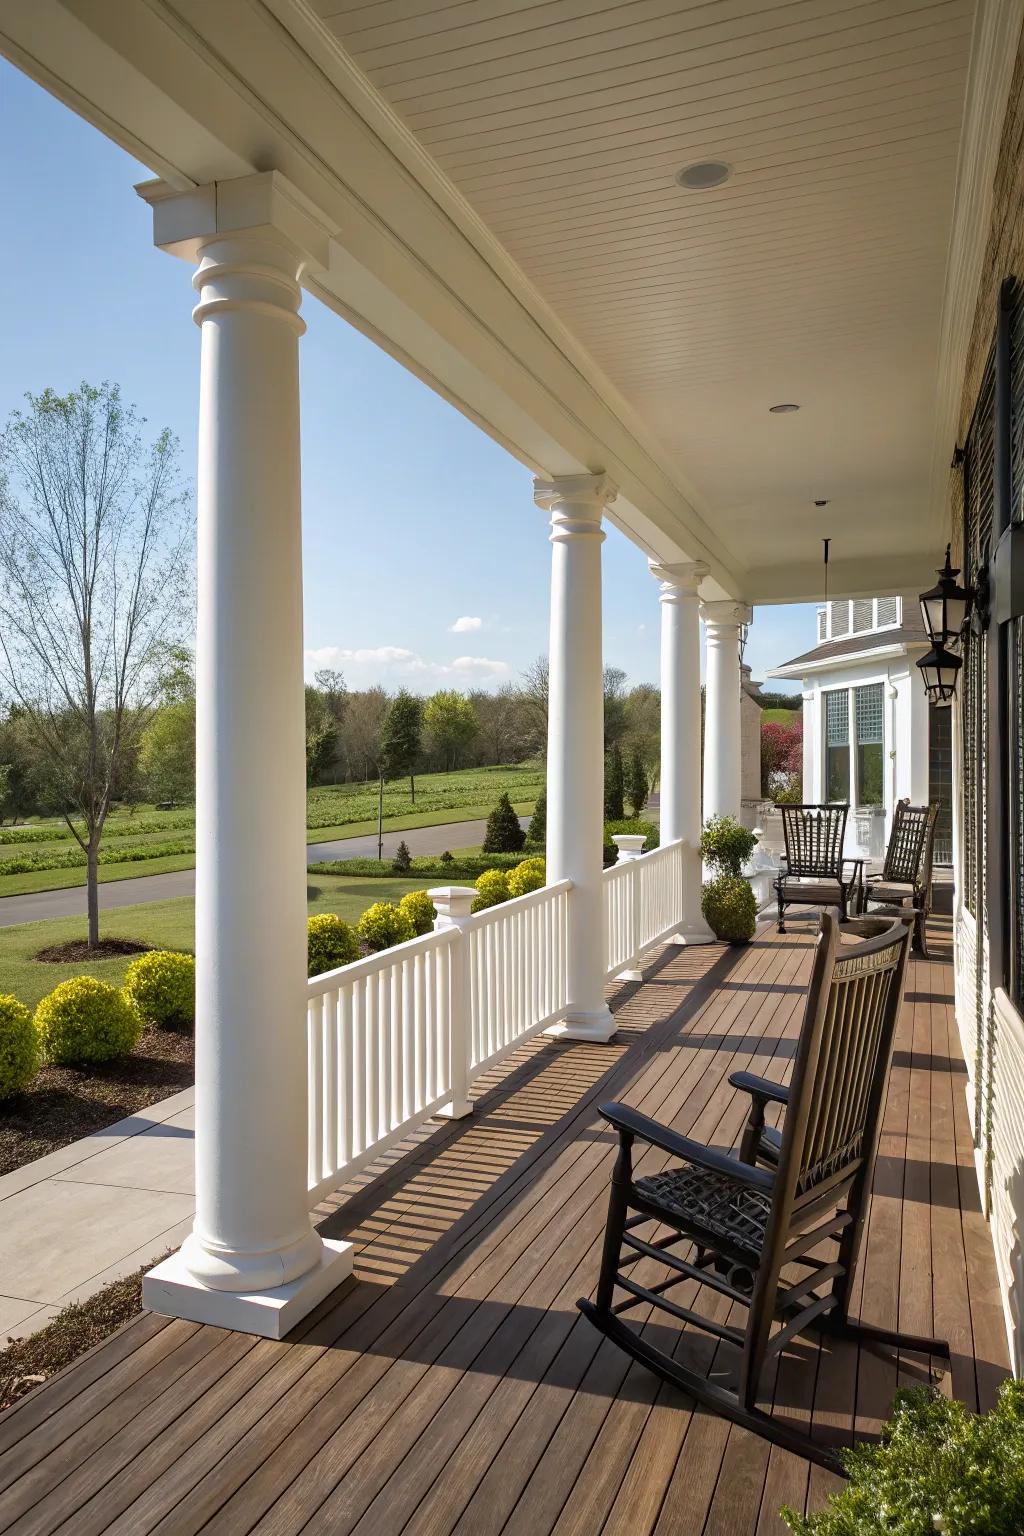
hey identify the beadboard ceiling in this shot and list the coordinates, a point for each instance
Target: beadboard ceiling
(814, 275)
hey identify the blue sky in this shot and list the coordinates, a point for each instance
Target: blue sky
(412, 518)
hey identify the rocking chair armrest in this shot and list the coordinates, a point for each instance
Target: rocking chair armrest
(632, 1123)
(760, 1087)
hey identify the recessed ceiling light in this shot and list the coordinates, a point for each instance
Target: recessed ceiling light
(702, 175)
(784, 409)
(823, 503)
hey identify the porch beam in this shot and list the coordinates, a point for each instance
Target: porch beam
(253, 1260)
(575, 775)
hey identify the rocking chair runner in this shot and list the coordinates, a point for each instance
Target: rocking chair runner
(740, 1223)
(815, 873)
(906, 876)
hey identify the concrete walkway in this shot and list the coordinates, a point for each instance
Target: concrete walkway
(39, 905)
(94, 1211)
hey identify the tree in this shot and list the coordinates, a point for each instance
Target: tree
(614, 784)
(503, 834)
(451, 723)
(363, 731)
(782, 756)
(534, 693)
(18, 792)
(614, 705)
(638, 785)
(95, 565)
(321, 734)
(401, 741)
(537, 831)
(167, 757)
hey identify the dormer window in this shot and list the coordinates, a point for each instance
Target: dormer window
(858, 616)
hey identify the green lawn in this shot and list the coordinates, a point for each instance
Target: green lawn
(166, 924)
(145, 838)
(781, 716)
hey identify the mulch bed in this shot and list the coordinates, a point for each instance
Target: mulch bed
(66, 1103)
(26, 1363)
(74, 950)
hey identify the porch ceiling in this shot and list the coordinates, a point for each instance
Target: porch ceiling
(500, 184)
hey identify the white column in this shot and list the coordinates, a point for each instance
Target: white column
(680, 792)
(253, 1260)
(722, 623)
(575, 780)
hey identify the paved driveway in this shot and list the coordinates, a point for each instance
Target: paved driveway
(129, 893)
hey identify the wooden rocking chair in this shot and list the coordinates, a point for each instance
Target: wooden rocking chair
(740, 1224)
(906, 877)
(815, 873)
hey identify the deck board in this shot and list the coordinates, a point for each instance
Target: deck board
(452, 1387)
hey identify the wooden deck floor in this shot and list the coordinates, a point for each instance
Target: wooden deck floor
(453, 1387)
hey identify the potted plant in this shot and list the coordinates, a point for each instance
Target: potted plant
(727, 899)
(939, 1467)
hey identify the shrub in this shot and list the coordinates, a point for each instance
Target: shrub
(537, 831)
(85, 1020)
(402, 862)
(939, 1467)
(19, 1046)
(725, 846)
(419, 909)
(447, 858)
(527, 876)
(638, 784)
(614, 784)
(493, 886)
(634, 824)
(383, 925)
(330, 942)
(162, 986)
(730, 908)
(504, 834)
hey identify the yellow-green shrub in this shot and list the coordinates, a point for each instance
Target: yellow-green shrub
(162, 986)
(330, 942)
(419, 909)
(527, 876)
(384, 924)
(85, 1020)
(19, 1046)
(493, 887)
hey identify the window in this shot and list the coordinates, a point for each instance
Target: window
(837, 744)
(869, 706)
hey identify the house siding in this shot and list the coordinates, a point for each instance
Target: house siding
(991, 1030)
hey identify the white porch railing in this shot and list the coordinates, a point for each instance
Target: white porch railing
(643, 905)
(397, 1037)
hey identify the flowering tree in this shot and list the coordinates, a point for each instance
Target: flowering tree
(782, 757)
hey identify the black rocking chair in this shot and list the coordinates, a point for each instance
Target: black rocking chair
(815, 873)
(905, 883)
(740, 1224)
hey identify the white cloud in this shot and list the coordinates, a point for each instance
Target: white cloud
(395, 665)
(467, 623)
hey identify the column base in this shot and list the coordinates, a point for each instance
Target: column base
(455, 1110)
(173, 1290)
(632, 973)
(599, 1027)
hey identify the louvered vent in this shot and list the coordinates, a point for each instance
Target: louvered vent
(1015, 660)
(822, 624)
(978, 513)
(863, 614)
(888, 611)
(840, 619)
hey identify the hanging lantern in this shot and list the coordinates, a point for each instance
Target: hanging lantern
(945, 608)
(939, 668)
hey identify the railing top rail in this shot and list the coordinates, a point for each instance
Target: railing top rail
(372, 965)
(520, 903)
(621, 869)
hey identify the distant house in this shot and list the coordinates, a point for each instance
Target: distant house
(870, 736)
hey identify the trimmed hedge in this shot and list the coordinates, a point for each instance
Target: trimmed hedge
(493, 887)
(383, 925)
(330, 942)
(19, 1046)
(85, 1020)
(419, 909)
(527, 876)
(162, 987)
(461, 867)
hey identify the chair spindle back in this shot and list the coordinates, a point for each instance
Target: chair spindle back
(908, 857)
(814, 839)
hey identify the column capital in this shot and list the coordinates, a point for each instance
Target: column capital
(726, 612)
(681, 578)
(575, 498)
(264, 204)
